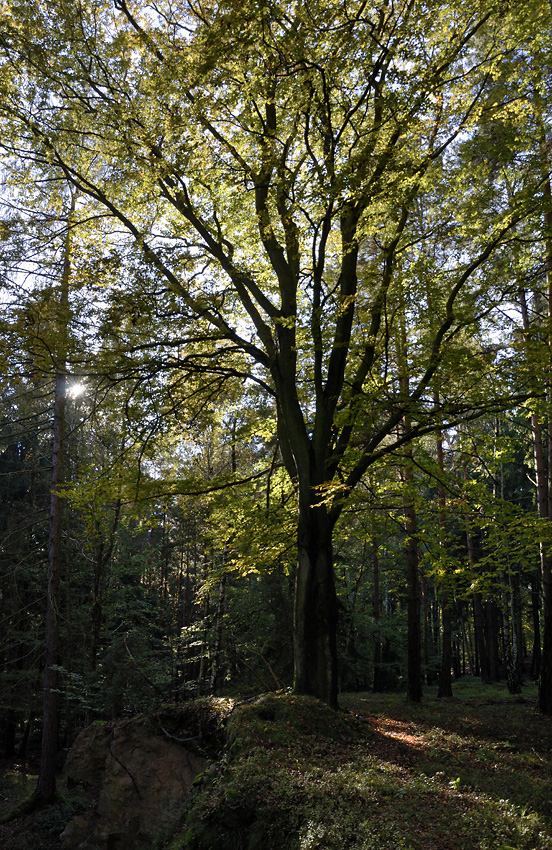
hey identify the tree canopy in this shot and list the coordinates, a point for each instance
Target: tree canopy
(319, 200)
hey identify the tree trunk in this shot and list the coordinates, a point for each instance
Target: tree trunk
(379, 680)
(216, 665)
(425, 612)
(480, 639)
(491, 625)
(481, 648)
(535, 608)
(351, 626)
(414, 663)
(445, 683)
(514, 654)
(545, 681)
(466, 641)
(46, 786)
(414, 656)
(315, 622)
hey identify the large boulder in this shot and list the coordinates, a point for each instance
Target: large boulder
(138, 780)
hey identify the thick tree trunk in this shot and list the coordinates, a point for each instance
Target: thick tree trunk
(315, 624)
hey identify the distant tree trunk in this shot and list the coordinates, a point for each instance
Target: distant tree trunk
(445, 683)
(414, 663)
(413, 591)
(426, 611)
(103, 557)
(379, 679)
(22, 751)
(515, 659)
(445, 678)
(216, 665)
(535, 609)
(466, 640)
(351, 627)
(480, 639)
(491, 628)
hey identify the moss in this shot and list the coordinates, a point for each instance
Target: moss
(382, 774)
(282, 720)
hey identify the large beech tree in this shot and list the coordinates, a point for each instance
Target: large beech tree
(267, 160)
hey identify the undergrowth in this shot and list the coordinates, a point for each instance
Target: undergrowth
(288, 773)
(471, 773)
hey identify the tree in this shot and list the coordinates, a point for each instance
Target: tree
(266, 161)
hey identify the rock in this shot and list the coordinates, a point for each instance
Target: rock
(86, 759)
(140, 781)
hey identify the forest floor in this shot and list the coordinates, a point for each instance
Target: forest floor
(471, 773)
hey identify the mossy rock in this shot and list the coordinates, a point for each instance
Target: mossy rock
(283, 719)
(256, 802)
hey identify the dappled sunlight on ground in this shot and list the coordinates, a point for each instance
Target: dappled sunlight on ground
(406, 733)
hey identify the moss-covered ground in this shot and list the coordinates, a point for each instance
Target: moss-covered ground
(471, 773)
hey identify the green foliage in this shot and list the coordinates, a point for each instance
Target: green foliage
(296, 229)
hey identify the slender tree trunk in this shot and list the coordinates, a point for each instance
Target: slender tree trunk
(413, 596)
(480, 639)
(46, 786)
(216, 665)
(425, 612)
(491, 626)
(378, 681)
(445, 682)
(545, 681)
(351, 627)
(515, 666)
(445, 679)
(414, 662)
(414, 651)
(543, 492)
(466, 640)
(481, 648)
(535, 610)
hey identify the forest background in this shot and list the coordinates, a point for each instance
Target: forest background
(275, 401)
